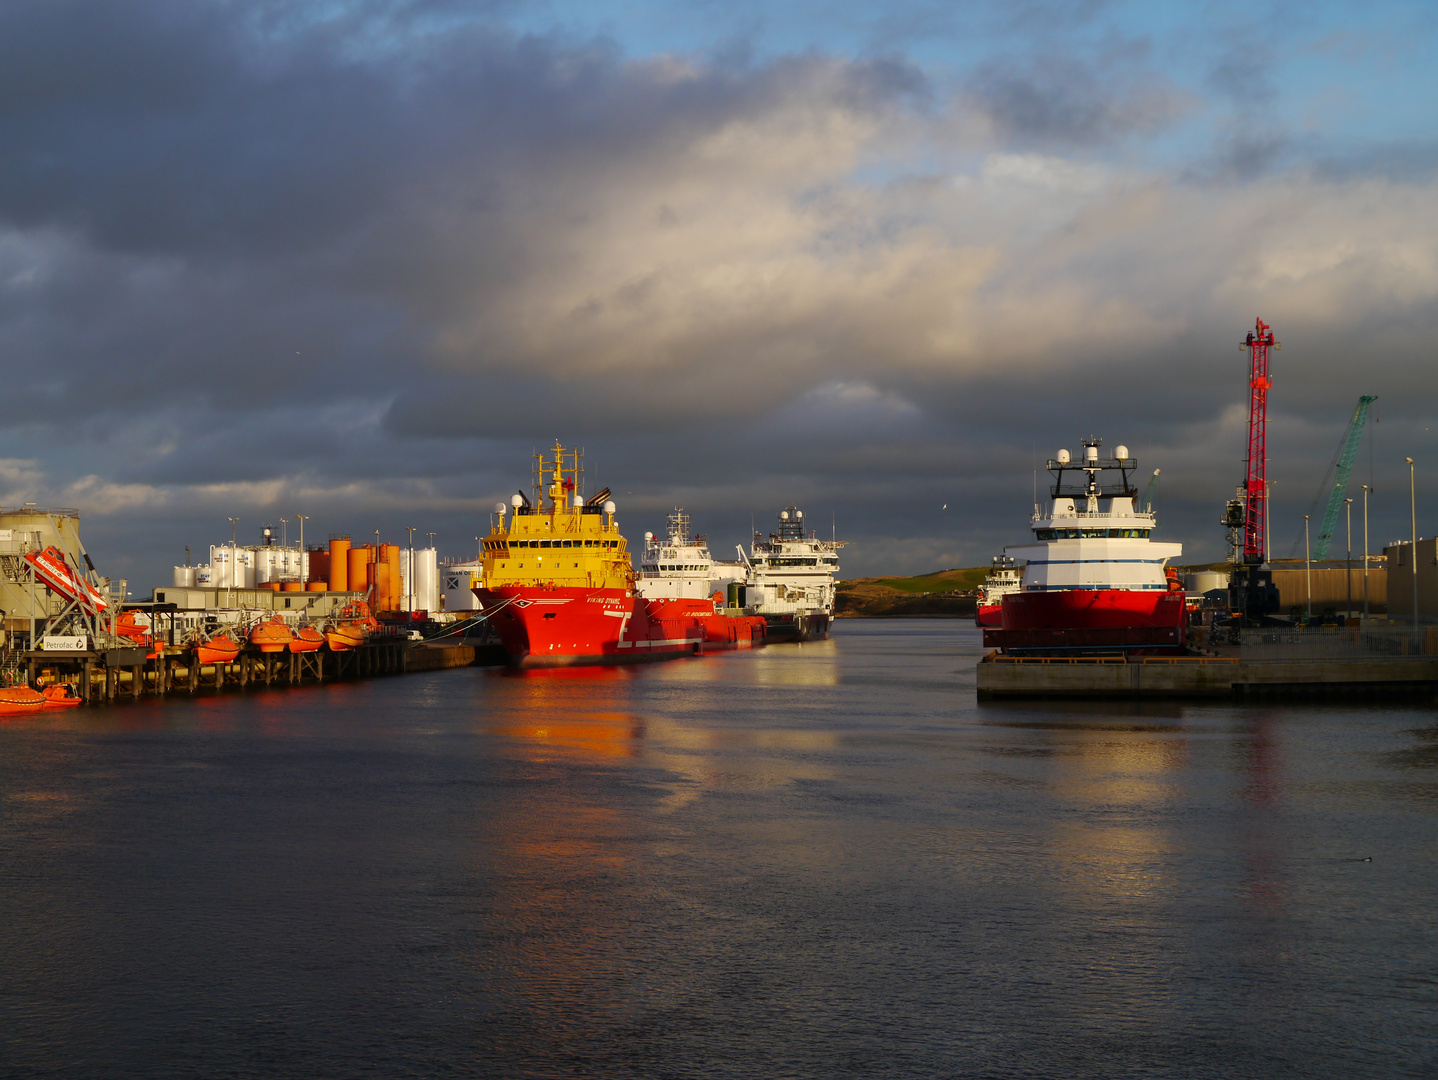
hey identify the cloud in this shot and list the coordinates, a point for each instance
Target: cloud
(361, 259)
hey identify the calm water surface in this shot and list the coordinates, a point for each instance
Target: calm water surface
(814, 861)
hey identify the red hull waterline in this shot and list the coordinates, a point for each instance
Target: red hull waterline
(1090, 620)
(566, 627)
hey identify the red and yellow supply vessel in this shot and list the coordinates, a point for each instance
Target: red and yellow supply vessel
(558, 585)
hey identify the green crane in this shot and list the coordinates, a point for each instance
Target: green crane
(1346, 454)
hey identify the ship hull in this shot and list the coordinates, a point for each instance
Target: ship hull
(989, 615)
(569, 627)
(797, 626)
(719, 632)
(1090, 621)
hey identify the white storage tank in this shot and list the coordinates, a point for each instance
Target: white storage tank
(186, 576)
(456, 582)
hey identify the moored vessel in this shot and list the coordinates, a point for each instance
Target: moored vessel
(681, 581)
(1005, 577)
(1094, 582)
(791, 579)
(558, 584)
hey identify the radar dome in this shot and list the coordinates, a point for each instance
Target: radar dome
(500, 509)
(649, 538)
(579, 500)
(516, 500)
(1063, 458)
(1090, 453)
(798, 513)
(1120, 452)
(609, 507)
(783, 515)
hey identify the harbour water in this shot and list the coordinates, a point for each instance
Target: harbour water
(818, 860)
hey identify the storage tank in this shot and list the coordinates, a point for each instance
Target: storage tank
(382, 590)
(358, 558)
(186, 576)
(339, 563)
(390, 558)
(317, 586)
(318, 568)
(294, 586)
(271, 586)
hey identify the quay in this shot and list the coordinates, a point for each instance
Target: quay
(1261, 663)
(103, 676)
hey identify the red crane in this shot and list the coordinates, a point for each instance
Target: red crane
(1255, 509)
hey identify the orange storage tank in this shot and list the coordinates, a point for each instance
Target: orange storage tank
(319, 565)
(273, 586)
(317, 586)
(359, 559)
(381, 579)
(396, 579)
(339, 563)
(294, 586)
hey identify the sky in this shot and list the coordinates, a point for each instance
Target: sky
(358, 260)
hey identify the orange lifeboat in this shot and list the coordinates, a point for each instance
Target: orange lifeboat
(19, 699)
(218, 648)
(128, 625)
(59, 696)
(271, 636)
(306, 639)
(343, 637)
(353, 625)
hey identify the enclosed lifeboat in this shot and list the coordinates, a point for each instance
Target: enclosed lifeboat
(15, 700)
(60, 696)
(271, 636)
(306, 639)
(218, 648)
(351, 628)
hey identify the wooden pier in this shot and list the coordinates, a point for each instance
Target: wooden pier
(112, 674)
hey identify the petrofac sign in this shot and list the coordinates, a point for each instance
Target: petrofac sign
(63, 643)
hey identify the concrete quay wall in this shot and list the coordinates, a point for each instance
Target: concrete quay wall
(1201, 677)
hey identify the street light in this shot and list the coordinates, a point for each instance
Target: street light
(1308, 571)
(1413, 524)
(1365, 552)
(409, 595)
(233, 522)
(1348, 566)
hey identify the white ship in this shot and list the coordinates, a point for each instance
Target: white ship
(678, 566)
(791, 579)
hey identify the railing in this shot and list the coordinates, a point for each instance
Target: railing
(1346, 643)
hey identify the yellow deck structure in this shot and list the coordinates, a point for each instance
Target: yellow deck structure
(559, 538)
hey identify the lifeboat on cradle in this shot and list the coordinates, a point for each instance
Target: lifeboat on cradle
(16, 700)
(218, 648)
(271, 636)
(137, 628)
(1095, 584)
(51, 567)
(60, 696)
(353, 625)
(306, 639)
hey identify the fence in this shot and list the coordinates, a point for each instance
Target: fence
(1366, 643)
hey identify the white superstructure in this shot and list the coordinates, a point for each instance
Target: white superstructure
(791, 573)
(676, 566)
(1091, 537)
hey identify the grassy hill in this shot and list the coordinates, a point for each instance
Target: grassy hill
(944, 593)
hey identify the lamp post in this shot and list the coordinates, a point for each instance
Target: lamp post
(1413, 525)
(409, 592)
(1307, 572)
(1348, 564)
(233, 522)
(1365, 552)
(304, 559)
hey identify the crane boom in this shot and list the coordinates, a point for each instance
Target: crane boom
(1344, 469)
(1259, 342)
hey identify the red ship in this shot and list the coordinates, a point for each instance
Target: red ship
(559, 587)
(1094, 582)
(1004, 577)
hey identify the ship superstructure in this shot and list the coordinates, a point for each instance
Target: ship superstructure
(1004, 577)
(791, 579)
(675, 566)
(1095, 581)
